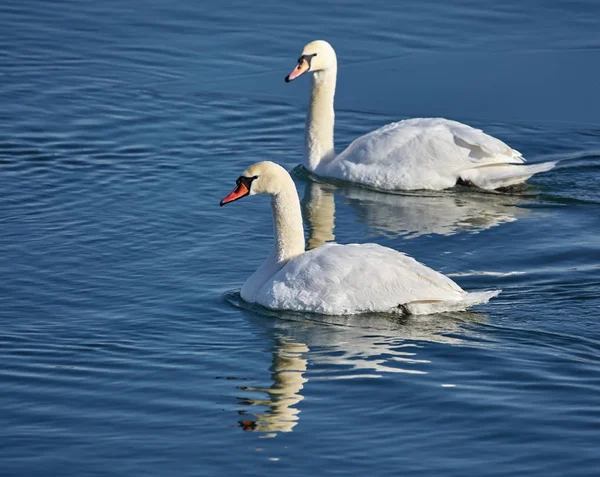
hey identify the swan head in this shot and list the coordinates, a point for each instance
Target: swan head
(316, 56)
(260, 178)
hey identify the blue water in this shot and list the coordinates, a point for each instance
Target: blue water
(125, 349)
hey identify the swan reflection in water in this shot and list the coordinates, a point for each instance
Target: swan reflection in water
(288, 370)
(407, 214)
(339, 347)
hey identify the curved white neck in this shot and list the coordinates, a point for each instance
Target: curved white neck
(287, 224)
(289, 238)
(318, 138)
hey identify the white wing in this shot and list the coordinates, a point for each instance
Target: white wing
(422, 153)
(345, 279)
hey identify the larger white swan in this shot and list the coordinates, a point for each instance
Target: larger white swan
(337, 279)
(422, 153)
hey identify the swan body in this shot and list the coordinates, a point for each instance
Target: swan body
(421, 153)
(357, 278)
(338, 279)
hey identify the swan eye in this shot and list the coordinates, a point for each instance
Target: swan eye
(247, 181)
(307, 58)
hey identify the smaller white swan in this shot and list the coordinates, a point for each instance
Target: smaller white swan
(420, 153)
(337, 279)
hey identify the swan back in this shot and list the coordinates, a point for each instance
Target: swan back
(345, 279)
(420, 153)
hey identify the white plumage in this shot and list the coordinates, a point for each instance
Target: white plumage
(338, 279)
(358, 278)
(421, 153)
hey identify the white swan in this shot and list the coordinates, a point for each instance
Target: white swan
(337, 279)
(422, 153)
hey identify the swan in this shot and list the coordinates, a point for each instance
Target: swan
(337, 279)
(420, 153)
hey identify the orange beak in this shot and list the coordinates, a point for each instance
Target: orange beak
(240, 191)
(299, 70)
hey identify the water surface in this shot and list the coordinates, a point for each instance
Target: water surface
(125, 348)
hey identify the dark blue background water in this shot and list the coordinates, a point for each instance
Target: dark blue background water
(124, 348)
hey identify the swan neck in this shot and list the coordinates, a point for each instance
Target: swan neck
(320, 119)
(287, 225)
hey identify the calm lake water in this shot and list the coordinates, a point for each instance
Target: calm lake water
(125, 349)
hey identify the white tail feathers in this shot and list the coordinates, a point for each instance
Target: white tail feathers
(494, 176)
(427, 307)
